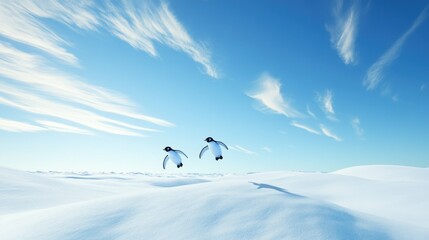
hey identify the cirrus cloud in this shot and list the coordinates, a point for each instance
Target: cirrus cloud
(31, 81)
(270, 97)
(344, 31)
(357, 126)
(17, 126)
(375, 73)
(304, 127)
(329, 133)
(327, 104)
(143, 24)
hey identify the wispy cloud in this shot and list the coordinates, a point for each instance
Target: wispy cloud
(30, 82)
(16, 126)
(306, 128)
(357, 127)
(141, 25)
(310, 113)
(375, 73)
(327, 104)
(270, 97)
(242, 150)
(344, 31)
(60, 127)
(29, 102)
(44, 125)
(21, 23)
(423, 87)
(330, 134)
(323, 130)
(31, 70)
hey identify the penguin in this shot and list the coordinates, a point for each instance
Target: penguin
(174, 156)
(214, 147)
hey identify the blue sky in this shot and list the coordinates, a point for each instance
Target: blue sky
(295, 85)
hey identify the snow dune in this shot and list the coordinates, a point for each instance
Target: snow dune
(347, 204)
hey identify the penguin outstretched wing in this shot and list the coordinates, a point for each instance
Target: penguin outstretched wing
(203, 151)
(178, 151)
(165, 161)
(222, 144)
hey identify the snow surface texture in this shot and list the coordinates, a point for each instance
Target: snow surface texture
(367, 202)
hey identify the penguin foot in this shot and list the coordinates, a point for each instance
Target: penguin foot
(178, 166)
(181, 164)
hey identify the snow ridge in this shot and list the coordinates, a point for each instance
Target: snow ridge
(276, 205)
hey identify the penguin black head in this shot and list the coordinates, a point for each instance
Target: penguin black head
(167, 149)
(209, 139)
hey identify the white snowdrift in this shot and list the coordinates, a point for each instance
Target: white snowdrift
(278, 205)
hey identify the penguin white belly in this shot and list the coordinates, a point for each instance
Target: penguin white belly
(174, 157)
(215, 149)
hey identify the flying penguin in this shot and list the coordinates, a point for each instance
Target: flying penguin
(214, 147)
(174, 156)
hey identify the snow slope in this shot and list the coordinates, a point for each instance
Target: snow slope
(347, 204)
